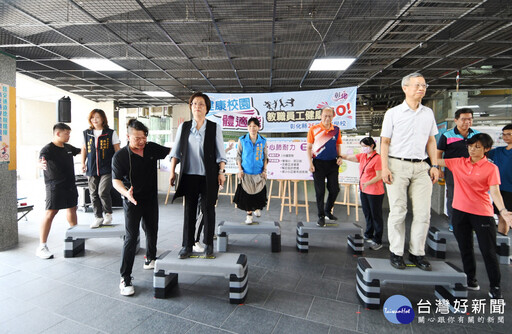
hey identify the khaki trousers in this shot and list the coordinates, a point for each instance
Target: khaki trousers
(410, 179)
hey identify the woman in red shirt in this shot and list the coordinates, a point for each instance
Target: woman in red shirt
(372, 190)
(474, 178)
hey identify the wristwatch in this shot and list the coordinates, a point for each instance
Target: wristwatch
(222, 171)
(435, 166)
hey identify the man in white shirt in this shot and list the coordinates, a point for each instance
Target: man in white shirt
(407, 140)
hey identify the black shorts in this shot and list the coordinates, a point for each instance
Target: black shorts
(61, 197)
(507, 200)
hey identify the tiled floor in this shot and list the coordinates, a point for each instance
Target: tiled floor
(289, 292)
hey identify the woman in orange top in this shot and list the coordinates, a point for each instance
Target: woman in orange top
(475, 177)
(372, 190)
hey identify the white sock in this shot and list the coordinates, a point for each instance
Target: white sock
(42, 244)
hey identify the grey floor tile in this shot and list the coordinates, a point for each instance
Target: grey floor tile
(69, 326)
(204, 329)
(336, 330)
(15, 280)
(91, 305)
(119, 317)
(209, 310)
(35, 288)
(288, 302)
(34, 321)
(58, 298)
(258, 294)
(280, 280)
(293, 325)
(6, 270)
(334, 313)
(11, 308)
(59, 269)
(248, 319)
(340, 273)
(256, 273)
(159, 323)
(347, 292)
(318, 287)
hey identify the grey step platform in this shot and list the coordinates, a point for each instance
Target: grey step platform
(225, 228)
(437, 238)
(449, 281)
(74, 243)
(229, 265)
(354, 239)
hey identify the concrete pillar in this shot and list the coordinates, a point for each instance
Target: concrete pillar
(8, 200)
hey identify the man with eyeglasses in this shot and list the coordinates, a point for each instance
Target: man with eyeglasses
(502, 157)
(134, 175)
(453, 144)
(407, 141)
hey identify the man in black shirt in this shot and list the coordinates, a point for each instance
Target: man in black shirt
(56, 159)
(134, 175)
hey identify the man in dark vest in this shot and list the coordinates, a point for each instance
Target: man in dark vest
(199, 147)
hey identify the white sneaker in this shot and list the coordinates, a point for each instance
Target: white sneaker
(108, 219)
(97, 223)
(257, 213)
(43, 252)
(149, 264)
(126, 288)
(198, 247)
(374, 245)
(248, 220)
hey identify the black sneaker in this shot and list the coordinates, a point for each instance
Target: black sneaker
(473, 284)
(330, 216)
(321, 222)
(397, 261)
(208, 250)
(184, 252)
(495, 293)
(420, 262)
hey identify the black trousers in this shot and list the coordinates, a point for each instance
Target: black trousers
(485, 228)
(147, 211)
(325, 169)
(450, 185)
(195, 187)
(372, 209)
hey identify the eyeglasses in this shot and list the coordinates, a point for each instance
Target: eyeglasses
(424, 86)
(195, 104)
(465, 119)
(139, 138)
(506, 134)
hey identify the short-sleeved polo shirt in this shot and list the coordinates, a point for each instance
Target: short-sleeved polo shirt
(472, 183)
(324, 141)
(503, 159)
(409, 130)
(454, 144)
(368, 167)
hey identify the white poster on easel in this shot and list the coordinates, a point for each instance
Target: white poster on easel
(288, 159)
